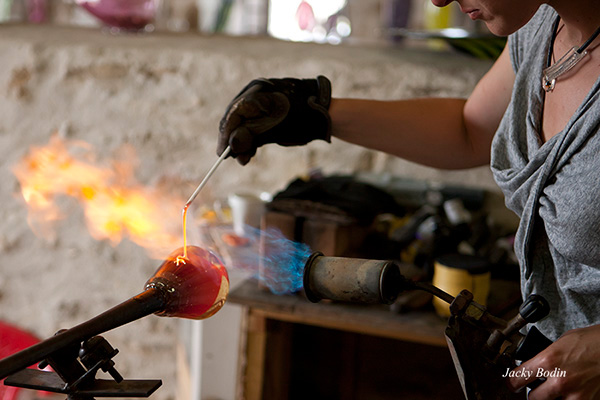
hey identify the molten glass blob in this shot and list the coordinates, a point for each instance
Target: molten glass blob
(196, 286)
(124, 14)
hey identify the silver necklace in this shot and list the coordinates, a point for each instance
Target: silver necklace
(566, 62)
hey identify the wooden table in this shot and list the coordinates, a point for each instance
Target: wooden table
(261, 307)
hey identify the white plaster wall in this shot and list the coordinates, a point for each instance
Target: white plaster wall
(165, 94)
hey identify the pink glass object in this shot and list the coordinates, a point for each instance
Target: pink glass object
(37, 11)
(122, 14)
(305, 16)
(197, 286)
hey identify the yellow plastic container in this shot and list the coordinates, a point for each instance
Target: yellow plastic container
(456, 272)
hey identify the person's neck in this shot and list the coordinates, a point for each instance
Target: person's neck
(580, 19)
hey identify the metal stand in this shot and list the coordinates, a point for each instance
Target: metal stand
(75, 367)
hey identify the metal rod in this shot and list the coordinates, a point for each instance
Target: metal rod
(145, 303)
(208, 175)
(434, 290)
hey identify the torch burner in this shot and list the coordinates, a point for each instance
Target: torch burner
(482, 345)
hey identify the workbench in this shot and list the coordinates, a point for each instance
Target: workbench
(297, 349)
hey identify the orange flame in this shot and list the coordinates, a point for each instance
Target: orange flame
(115, 205)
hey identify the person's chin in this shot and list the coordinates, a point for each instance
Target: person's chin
(499, 29)
(504, 26)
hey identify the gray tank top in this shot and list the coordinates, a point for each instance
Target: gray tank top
(554, 187)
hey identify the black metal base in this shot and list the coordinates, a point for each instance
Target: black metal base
(51, 382)
(74, 374)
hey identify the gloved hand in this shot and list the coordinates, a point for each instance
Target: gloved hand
(288, 112)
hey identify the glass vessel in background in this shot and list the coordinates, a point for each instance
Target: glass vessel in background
(34, 11)
(127, 15)
(321, 21)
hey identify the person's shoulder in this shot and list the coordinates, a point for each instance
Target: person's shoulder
(544, 16)
(532, 35)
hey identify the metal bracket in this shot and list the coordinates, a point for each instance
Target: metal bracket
(75, 370)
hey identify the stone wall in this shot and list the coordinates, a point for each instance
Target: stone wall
(164, 95)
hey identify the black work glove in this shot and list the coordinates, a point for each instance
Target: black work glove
(289, 112)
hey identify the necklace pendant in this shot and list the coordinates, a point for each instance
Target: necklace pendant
(571, 58)
(561, 67)
(548, 84)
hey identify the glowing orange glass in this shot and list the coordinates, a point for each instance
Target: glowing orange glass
(198, 286)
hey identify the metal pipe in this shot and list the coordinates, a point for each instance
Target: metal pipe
(351, 279)
(434, 290)
(360, 281)
(146, 303)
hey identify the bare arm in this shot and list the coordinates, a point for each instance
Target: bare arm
(438, 132)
